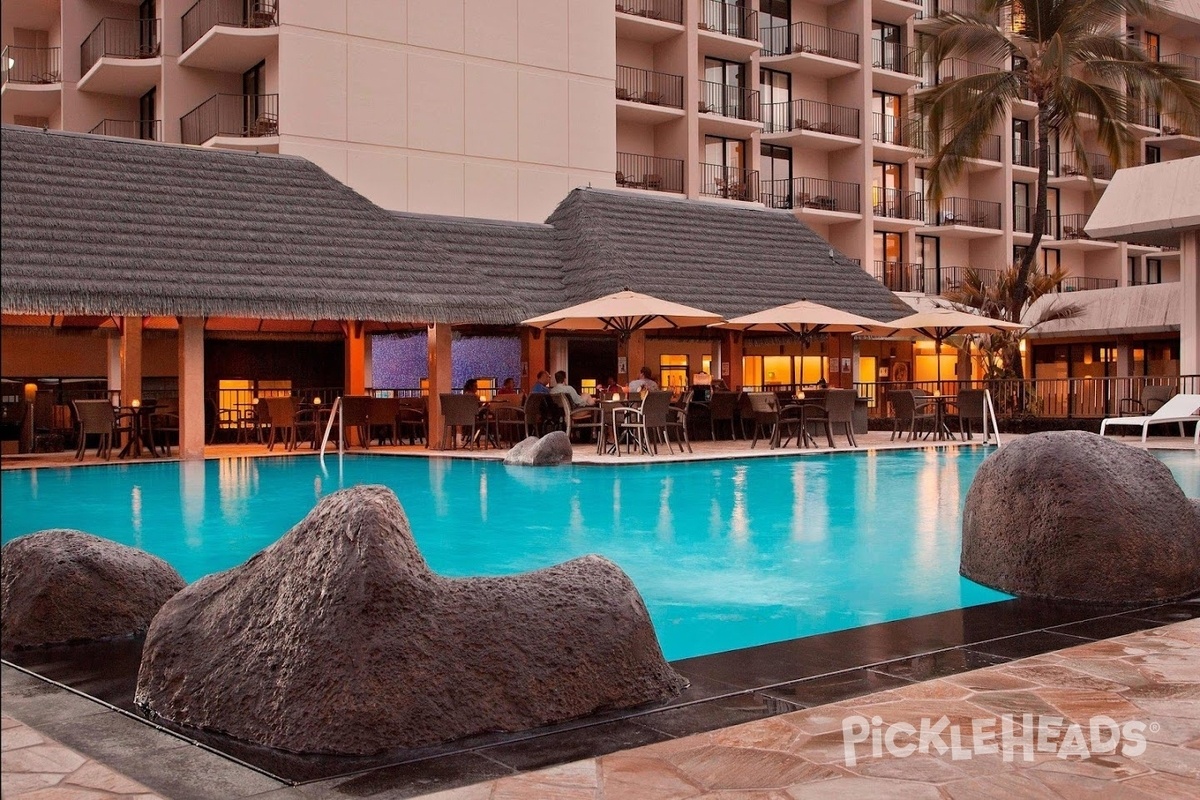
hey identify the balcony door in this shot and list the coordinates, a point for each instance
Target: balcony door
(886, 108)
(886, 185)
(725, 90)
(929, 250)
(1022, 144)
(775, 25)
(148, 114)
(254, 89)
(775, 92)
(886, 39)
(889, 261)
(148, 28)
(775, 176)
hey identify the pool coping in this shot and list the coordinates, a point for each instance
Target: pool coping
(727, 688)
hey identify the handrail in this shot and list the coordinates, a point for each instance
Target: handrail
(334, 412)
(990, 411)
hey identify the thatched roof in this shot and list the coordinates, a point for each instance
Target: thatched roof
(98, 226)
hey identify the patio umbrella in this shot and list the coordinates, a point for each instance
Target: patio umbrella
(624, 312)
(939, 324)
(804, 319)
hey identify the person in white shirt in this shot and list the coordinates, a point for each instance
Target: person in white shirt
(643, 383)
(562, 387)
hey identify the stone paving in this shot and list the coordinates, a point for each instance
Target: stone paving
(35, 767)
(1151, 677)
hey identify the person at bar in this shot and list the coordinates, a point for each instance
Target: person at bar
(562, 387)
(508, 387)
(643, 383)
(542, 386)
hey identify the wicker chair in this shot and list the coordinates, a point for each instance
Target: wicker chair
(677, 421)
(581, 418)
(768, 416)
(356, 414)
(412, 417)
(648, 422)
(722, 407)
(95, 418)
(838, 410)
(908, 412)
(164, 425)
(459, 411)
(971, 406)
(382, 418)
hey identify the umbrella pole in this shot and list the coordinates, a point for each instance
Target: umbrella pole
(937, 349)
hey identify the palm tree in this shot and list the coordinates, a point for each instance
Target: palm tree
(1076, 64)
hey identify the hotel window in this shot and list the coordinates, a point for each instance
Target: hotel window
(775, 176)
(887, 53)
(929, 251)
(1153, 154)
(1051, 260)
(886, 108)
(775, 92)
(727, 153)
(775, 25)
(886, 183)
(724, 91)
(147, 114)
(1153, 270)
(888, 251)
(673, 372)
(1152, 46)
(1135, 272)
(1022, 144)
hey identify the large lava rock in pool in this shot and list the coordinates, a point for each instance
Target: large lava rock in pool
(339, 639)
(1075, 516)
(59, 586)
(550, 450)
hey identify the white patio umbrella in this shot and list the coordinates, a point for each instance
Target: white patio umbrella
(939, 324)
(623, 313)
(804, 319)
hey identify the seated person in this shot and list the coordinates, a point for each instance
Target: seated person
(822, 384)
(508, 387)
(562, 387)
(471, 386)
(543, 383)
(611, 387)
(643, 383)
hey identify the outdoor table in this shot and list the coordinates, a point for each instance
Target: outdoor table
(609, 410)
(133, 448)
(940, 428)
(804, 438)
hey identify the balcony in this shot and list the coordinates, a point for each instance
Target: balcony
(229, 35)
(649, 20)
(1188, 63)
(932, 9)
(897, 12)
(895, 137)
(899, 276)
(810, 124)
(1025, 156)
(731, 110)
(1023, 224)
(1072, 236)
(817, 199)
(1177, 135)
(1144, 117)
(952, 69)
(146, 129)
(965, 218)
(31, 80)
(234, 121)
(1068, 169)
(727, 31)
(987, 158)
(1077, 283)
(636, 171)
(897, 68)
(896, 209)
(823, 52)
(648, 97)
(729, 183)
(121, 57)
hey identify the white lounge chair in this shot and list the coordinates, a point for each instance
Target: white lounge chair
(1181, 408)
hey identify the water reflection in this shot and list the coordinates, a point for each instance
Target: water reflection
(192, 497)
(666, 522)
(739, 517)
(237, 480)
(135, 505)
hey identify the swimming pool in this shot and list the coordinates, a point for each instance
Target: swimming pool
(727, 554)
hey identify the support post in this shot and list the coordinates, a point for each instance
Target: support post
(191, 388)
(1189, 327)
(635, 356)
(356, 358)
(533, 356)
(731, 359)
(114, 364)
(131, 360)
(440, 379)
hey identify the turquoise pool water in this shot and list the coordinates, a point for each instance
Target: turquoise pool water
(727, 554)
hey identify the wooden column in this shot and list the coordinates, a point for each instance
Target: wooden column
(191, 388)
(634, 350)
(131, 359)
(731, 357)
(440, 380)
(114, 363)
(355, 381)
(533, 356)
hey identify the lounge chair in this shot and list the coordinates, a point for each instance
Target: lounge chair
(1179, 409)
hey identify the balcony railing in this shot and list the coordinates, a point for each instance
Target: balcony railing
(1189, 63)
(636, 171)
(894, 57)
(1023, 221)
(120, 38)
(248, 115)
(732, 183)
(1065, 164)
(810, 115)
(966, 211)
(651, 88)
(1145, 116)
(150, 129)
(899, 276)
(661, 10)
(989, 149)
(951, 69)
(729, 101)
(934, 8)
(819, 194)
(207, 14)
(890, 129)
(730, 20)
(1072, 226)
(897, 203)
(805, 37)
(1025, 153)
(31, 64)
(1076, 283)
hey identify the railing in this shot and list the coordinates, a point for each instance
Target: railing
(728, 19)
(811, 115)
(952, 69)
(120, 38)
(894, 57)
(1069, 163)
(1023, 221)
(1025, 153)
(1058, 398)
(207, 14)
(1078, 283)
(1174, 126)
(1189, 63)
(729, 101)
(1072, 226)
(989, 149)
(805, 37)
(732, 183)
(934, 8)
(150, 129)
(1145, 116)
(651, 88)
(31, 64)
(897, 203)
(248, 115)
(819, 194)
(966, 211)
(661, 10)
(649, 172)
(899, 276)
(890, 129)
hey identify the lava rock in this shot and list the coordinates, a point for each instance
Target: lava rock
(338, 638)
(62, 586)
(550, 450)
(1074, 516)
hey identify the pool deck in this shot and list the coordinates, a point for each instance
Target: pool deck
(584, 453)
(1150, 677)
